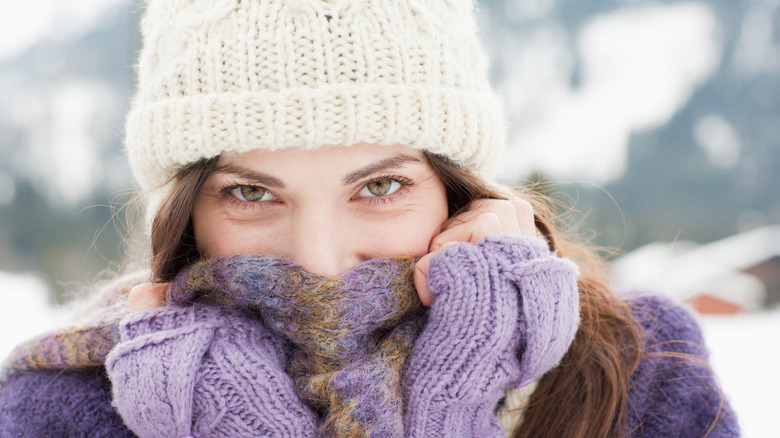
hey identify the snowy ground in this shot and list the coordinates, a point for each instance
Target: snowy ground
(25, 310)
(745, 351)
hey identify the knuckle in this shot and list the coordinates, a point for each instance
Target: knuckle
(148, 291)
(498, 206)
(141, 290)
(504, 207)
(436, 243)
(501, 207)
(523, 207)
(479, 204)
(420, 273)
(488, 221)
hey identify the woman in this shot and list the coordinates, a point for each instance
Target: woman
(329, 256)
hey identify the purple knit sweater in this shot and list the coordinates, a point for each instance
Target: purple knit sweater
(447, 395)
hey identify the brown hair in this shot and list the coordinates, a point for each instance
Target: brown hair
(172, 237)
(585, 396)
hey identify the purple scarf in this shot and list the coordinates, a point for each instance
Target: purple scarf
(351, 335)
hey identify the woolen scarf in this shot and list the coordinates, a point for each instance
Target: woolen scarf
(350, 336)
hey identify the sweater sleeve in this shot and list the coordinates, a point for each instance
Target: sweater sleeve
(59, 403)
(204, 371)
(505, 312)
(674, 388)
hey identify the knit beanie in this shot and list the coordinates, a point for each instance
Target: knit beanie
(230, 76)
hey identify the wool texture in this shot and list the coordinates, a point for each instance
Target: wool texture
(205, 371)
(452, 380)
(506, 311)
(351, 335)
(670, 397)
(60, 404)
(227, 76)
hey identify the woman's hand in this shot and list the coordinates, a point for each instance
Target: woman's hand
(506, 311)
(487, 217)
(148, 296)
(200, 370)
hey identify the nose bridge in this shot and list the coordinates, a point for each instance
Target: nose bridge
(318, 241)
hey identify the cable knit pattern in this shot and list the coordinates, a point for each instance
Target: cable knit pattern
(458, 367)
(485, 311)
(351, 335)
(204, 371)
(221, 76)
(669, 397)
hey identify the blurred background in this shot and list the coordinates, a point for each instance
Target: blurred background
(656, 122)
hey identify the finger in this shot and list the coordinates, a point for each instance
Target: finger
(147, 296)
(517, 215)
(421, 276)
(514, 218)
(504, 209)
(524, 214)
(421, 279)
(507, 212)
(472, 231)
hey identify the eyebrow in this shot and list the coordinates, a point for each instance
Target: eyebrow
(387, 163)
(264, 180)
(260, 179)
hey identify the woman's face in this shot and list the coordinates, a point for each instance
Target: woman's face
(326, 209)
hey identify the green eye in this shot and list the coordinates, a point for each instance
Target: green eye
(381, 187)
(252, 193)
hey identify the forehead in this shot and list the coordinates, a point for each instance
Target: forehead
(341, 158)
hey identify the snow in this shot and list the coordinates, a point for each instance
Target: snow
(26, 310)
(745, 355)
(24, 23)
(684, 269)
(639, 65)
(756, 52)
(719, 140)
(744, 350)
(69, 123)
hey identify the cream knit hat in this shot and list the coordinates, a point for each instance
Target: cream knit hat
(218, 76)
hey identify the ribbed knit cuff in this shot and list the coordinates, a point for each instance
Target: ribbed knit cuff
(165, 135)
(515, 249)
(166, 318)
(457, 419)
(153, 368)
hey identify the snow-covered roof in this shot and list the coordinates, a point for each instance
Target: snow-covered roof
(685, 269)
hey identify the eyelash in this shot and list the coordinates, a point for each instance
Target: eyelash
(406, 183)
(244, 205)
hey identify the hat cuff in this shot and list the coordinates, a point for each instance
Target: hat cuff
(164, 136)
